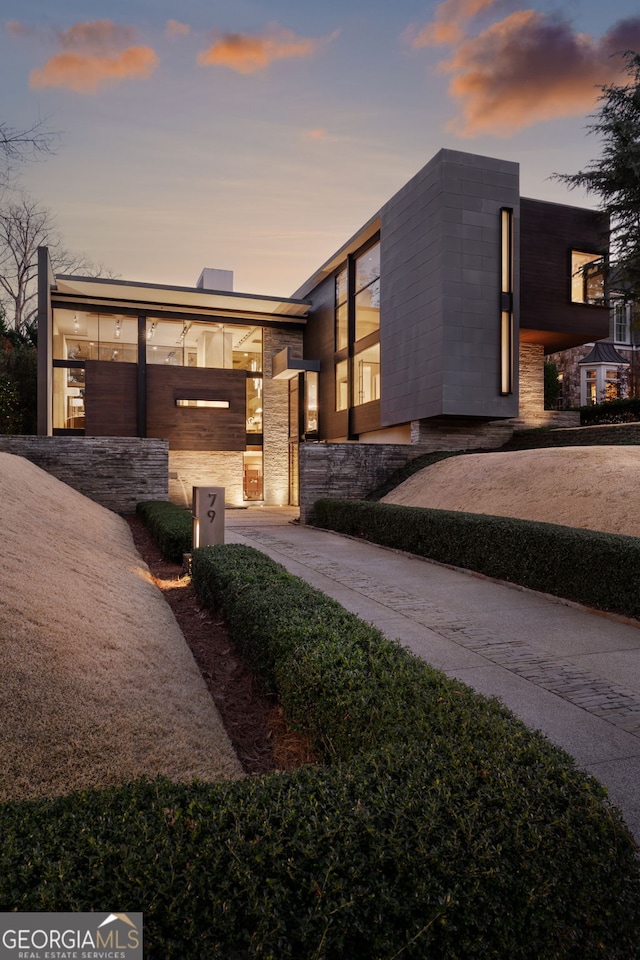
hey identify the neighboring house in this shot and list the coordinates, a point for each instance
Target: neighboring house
(606, 369)
(431, 323)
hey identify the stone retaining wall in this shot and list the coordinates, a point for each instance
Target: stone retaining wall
(347, 470)
(116, 472)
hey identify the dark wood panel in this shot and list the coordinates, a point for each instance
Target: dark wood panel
(366, 417)
(548, 234)
(192, 428)
(110, 399)
(319, 345)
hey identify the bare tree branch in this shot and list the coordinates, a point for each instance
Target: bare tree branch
(25, 144)
(26, 225)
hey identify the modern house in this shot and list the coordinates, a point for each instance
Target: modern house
(426, 328)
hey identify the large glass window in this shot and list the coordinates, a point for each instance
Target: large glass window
(366, 375)
(341, 310)
(92, 336)
(587, 277)
(310, 402)
(196, 344)
(68, 398)
(254, 404)
(367, 292)
(342, 389)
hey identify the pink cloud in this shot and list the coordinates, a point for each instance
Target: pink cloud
(95, 54)
(246, 53)
(447, 26)
(531, 67)
(92, 73)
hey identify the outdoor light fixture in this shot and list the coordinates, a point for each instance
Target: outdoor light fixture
(151, 331)
(118, 329)
(506, 301)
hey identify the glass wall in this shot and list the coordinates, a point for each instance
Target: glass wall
(367, 292)
(92, 336)
(198, 344)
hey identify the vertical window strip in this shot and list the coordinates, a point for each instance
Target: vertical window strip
(506, 301)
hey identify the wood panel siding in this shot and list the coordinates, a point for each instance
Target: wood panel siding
(548, 234)
(193, 428)
(366, 417)
(110, 399)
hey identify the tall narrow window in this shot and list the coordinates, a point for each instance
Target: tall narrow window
(367, 292)
(342, 310)
(506, 302)
(342, 397)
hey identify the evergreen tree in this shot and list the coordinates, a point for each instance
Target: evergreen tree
(615, 176)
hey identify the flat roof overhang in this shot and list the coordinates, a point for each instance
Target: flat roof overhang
(120, 296)
(286, 367)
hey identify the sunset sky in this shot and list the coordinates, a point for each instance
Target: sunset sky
(257, 136)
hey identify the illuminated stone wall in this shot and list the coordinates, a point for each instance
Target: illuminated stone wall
(276, 416)
(201, 468)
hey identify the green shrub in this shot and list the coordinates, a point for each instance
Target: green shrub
(598, 569)
(169, 525)
(441, 828)
(400, 853)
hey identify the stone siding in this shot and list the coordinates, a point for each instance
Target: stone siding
(116, 472)
(431, 435)
(199, 468)
(531, 368)
(276, 416)
(347, 470)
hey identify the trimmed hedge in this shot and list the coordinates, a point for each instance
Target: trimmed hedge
(611, 411)
(169, 525)
(440, 826)
(601, 570)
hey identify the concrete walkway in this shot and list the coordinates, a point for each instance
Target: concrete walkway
(570, 672)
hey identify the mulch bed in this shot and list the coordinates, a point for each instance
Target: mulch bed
(253, 720)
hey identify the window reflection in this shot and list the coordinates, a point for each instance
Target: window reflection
(587, 277)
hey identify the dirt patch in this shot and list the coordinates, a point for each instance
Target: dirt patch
(253, 720)
(98, 686)
(591, 487)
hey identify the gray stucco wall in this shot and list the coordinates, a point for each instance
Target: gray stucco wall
(440, 282)
(116, 472)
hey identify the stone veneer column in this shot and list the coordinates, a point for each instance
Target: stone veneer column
(275, 417)
(531, 381)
